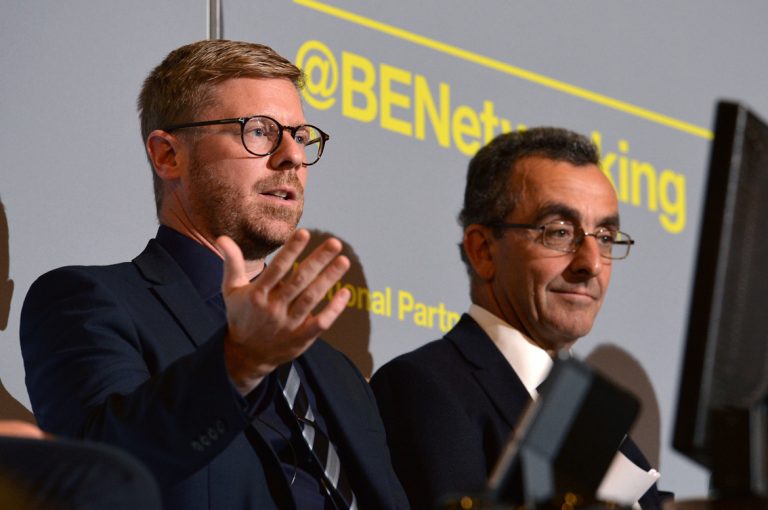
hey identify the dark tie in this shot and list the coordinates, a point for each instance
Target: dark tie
(334, 478)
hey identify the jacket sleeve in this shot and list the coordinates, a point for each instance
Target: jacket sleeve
(93, 372)
(437, 449)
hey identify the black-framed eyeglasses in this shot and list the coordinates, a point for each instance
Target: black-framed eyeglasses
(566, 237)
(262, 135)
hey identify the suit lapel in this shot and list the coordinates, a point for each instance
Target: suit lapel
(490, 369)
(174, 289)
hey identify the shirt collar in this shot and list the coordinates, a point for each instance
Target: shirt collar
(203, 267)
(530, 362)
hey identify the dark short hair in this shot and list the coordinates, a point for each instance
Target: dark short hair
(178, 89)
(489, 196)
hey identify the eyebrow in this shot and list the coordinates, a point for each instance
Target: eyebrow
(568, 213)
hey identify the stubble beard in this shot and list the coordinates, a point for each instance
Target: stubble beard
(258, 228)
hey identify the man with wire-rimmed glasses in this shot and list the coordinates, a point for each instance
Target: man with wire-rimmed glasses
(541, 236)
(197, 357)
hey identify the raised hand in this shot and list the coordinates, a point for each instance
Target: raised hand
(270, 320)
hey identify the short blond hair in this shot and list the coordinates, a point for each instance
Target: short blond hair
(178, 89)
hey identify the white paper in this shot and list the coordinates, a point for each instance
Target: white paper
(625, 482)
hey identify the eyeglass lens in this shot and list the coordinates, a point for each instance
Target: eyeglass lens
(567, 237)
(262, 136)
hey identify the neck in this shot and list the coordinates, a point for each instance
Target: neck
(487, 299)
(184, 225)
(253, 268)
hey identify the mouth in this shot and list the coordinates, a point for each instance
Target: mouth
(283, 194)
(579, 294)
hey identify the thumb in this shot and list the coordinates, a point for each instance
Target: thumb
(234, 265)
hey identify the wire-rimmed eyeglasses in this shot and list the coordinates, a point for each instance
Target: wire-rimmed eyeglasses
(262, 135)
(566, 237)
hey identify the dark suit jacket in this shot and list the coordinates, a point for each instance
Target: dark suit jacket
(449, 408)
(128, 354)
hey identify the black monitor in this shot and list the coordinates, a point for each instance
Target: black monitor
(565, 441)
(721, 411)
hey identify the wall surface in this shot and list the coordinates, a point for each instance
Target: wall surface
(408, 92)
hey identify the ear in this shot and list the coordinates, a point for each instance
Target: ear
(478, 246)
(164, 151)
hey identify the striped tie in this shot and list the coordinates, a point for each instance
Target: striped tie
(319, 444)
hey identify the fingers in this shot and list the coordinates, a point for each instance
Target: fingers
(307, 274)
(282, 263)
(287, 282)
(300, 289)
(290, 292)
(316, 325)
(308, 297)
(332, 310)
(234, 265)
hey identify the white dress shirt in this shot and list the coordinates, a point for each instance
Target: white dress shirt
(530, 362)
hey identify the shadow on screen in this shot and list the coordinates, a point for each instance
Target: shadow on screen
(10, 408)
(618, 366)
(351, 333)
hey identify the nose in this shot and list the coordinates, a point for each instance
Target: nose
(289, 154)
(587, 260)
